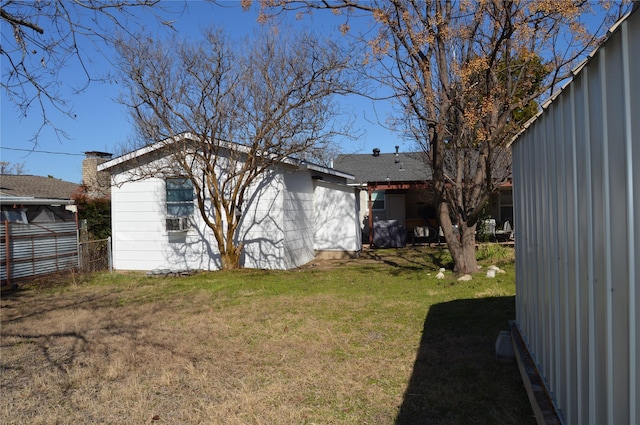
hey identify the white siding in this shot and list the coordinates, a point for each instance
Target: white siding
(261, 228)
(136, 216)
(298, 219)
(577, 201)
(337, 225)
(140, 239)
(277, 225)
(141, 242)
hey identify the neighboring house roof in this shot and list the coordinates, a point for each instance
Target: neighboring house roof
(385, 167)
(35, 188)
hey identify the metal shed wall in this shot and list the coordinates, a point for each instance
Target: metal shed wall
(577, 202)
(28, 250)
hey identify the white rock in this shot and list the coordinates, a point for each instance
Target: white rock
(491, 273)
(442, 270)
(465, 278)
(440, 275)
(500, 271)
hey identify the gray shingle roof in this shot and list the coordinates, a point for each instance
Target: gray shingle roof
(36, 187)
(403, 167)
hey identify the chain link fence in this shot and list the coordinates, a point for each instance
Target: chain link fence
(95, 255)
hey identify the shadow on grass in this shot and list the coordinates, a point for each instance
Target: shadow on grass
(456, 378)
(412, 258)
(17, 295)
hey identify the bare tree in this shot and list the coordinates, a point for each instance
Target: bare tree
(226, 112)
(466, 75)
(41, 37)
(9, 168)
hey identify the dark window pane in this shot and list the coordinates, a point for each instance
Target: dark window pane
(179, 210)
(179, 197)
(178, 183)
(506, 197)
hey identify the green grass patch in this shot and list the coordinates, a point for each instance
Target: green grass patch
(376, 340)
(496, 253)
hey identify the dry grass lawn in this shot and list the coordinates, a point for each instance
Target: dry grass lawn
(376, 340)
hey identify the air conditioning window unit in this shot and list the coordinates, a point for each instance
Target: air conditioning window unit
(178, 224)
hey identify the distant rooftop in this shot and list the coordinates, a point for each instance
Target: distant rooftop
(383, 167)
(36, 187)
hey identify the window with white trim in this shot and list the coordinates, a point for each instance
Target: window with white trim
(179, 200)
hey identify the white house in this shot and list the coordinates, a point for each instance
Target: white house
(294, 212)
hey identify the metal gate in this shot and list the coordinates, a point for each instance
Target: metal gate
(95, 255)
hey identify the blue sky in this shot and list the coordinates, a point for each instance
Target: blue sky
(102, 124)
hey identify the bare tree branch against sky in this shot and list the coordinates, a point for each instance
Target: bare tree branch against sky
(40, 38)
(89, 117)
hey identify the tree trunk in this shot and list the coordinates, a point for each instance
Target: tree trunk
(465, 259)
(462, 244)
(230, 254)
(230, 259)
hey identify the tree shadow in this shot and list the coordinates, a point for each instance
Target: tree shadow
(50, 348)
(11, 299)
(411, 259)
(441, 257)
(456, 378)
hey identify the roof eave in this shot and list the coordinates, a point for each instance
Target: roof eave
(25, 200)
(163, 143)
(331, 171)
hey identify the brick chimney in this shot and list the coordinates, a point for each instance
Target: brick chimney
(98, 183)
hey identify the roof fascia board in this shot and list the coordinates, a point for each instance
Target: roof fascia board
(330, 171)
(6, 200)
(144, 151)
(226, 145)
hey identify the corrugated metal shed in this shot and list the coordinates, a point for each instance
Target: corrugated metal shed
(28, 250)
(577, 201)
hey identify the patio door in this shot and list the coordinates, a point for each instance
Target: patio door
(396, 208)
